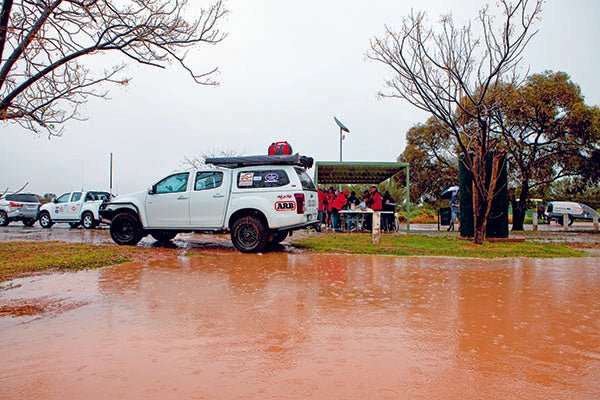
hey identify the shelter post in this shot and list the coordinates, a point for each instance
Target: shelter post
(535, 217)
(595, 218)
(376, 227)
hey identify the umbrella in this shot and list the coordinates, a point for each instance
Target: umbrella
(448, 193)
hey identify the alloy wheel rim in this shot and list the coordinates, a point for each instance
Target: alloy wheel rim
(248, 235)
(124, 231)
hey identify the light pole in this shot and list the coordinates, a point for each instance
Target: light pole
(342, 137)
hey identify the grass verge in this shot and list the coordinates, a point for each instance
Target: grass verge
(420, 245)
(20, 258)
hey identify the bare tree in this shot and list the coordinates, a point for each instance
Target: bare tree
(198, 162)
(44, 43)
(456, 74)
(16, 191)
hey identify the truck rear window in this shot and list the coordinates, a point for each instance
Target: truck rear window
(262, 179)
(307, 183)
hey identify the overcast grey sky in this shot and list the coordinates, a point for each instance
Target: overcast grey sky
(286, 69)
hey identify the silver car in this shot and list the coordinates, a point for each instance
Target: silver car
(22, 207)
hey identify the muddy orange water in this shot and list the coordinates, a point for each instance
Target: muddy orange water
(215, 324)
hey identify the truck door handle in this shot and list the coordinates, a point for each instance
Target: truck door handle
(217, 195)
(182, 198)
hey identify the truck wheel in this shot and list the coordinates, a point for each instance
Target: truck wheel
(3, 218)
(87, 220)
(125, 229)
(279, 237)
(28, 222)
(163, 236)
(249, 234)
(45, 220)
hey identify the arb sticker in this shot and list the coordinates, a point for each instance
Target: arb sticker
(285, 206)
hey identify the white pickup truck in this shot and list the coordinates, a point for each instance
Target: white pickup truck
(258, 199)
(75, 208)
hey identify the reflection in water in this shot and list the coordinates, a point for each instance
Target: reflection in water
(217, 324)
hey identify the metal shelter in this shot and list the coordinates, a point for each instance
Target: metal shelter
(363, 172)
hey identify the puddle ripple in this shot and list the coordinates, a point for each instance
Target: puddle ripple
(217, 324)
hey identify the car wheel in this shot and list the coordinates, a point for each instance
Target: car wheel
(571, 220)
(279, 237)
(28, 222)
(125, 229)
(74, 224)
(163, 236)
(3, 218)
(87, 220)
(249, 234)
(45, 220)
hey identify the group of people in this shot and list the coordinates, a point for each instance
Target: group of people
(331, 202)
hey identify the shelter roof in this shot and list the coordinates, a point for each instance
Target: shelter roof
(353, 172)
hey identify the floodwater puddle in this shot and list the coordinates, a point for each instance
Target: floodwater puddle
(208, 322)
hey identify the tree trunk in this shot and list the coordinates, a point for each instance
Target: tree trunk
(520, 208)
(518, 216)
(479, 228)
(479, 221)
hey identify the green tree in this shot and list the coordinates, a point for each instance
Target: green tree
(550, 133)
(433, 163)
(575, 189)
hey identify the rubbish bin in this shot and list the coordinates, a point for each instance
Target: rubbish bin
(444, 215)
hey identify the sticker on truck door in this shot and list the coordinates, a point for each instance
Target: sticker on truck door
(285, 206)
(245, 179)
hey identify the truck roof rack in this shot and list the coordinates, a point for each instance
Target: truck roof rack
(246, 161)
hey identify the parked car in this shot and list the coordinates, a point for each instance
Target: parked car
(75, 208)
(22, 207)
(555, 210)
(258, 199)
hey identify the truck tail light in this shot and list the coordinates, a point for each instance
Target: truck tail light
(15, 205)
(299, 202)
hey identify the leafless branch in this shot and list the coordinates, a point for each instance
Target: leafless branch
(458, 77)
(44, 78)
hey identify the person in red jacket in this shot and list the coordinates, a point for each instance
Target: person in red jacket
(329, 198)
(321, 208)
(376, 199)
(338, 205)
(375, 203)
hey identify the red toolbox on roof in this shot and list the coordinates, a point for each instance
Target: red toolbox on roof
(280, 148)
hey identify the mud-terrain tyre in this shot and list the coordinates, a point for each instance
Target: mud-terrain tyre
(249, 234)
(279, 237)
(163, 236)
(3, 219)
(87, 220)
(74, 225)
(125, 229)
(45, 220)
(28, 222)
